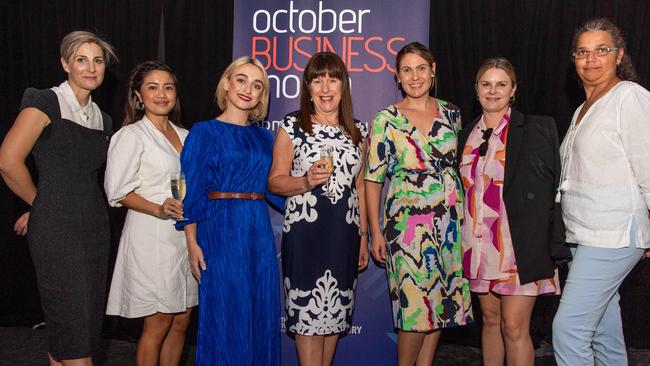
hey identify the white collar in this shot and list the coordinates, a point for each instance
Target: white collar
(69, 97)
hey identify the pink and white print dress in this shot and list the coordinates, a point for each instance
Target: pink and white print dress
(488, 255)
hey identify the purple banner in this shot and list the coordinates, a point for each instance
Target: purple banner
(366, 34)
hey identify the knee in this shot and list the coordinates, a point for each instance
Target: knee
(157, 329)
(515, 328)
(180, 324)
(559, 328)
(491, 318)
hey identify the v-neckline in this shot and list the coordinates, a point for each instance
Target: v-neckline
(591, 107)
(169, 143)
(427, 135)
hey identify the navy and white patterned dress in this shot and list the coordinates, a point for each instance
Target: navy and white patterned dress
(320, 241)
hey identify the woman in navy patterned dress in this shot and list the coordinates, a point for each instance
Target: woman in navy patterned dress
(325, 238)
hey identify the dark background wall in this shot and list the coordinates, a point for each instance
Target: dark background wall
(195, 38)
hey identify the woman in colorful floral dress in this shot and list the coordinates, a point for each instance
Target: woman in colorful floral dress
(413, 144)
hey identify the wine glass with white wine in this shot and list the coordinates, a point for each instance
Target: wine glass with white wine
(327, 154)
(177, 182)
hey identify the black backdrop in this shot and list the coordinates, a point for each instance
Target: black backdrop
(195, 38)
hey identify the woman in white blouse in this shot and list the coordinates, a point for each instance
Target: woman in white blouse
(605, 196)
(152, 278)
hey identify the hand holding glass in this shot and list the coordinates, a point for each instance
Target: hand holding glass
(327, 154)
(178, 189)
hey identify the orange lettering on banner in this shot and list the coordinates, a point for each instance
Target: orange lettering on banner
(296, 46)
(255, 53)
(377, 55)
(290, 56)
(391, 50)
(299, 49)
(351, 54)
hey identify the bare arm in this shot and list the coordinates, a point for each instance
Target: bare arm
(373, 206)
(280, 181)
(363, 216)
(169, 208)
(16, 147)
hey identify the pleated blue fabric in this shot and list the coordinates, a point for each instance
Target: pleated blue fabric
(239, 299)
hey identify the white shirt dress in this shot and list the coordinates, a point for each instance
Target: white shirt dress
(152, 272)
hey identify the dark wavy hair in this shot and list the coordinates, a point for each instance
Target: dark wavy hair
(624, 71)
(330, 64)
(133, 110)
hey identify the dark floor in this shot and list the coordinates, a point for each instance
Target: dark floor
(25, 347)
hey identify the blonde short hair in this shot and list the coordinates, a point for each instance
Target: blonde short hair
(259, 112)
(73, 40)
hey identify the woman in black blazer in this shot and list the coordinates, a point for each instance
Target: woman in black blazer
(510, 167)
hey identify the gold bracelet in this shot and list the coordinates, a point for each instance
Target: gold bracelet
(363, 233)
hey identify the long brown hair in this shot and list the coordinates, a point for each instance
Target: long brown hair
(133, 109)
(330, 64)
(624, 71)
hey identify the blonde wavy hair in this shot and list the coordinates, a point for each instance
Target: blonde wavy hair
(259, 112)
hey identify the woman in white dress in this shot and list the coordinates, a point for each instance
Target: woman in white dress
(152, 278)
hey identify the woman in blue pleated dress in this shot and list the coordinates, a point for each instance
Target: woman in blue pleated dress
(230, 241)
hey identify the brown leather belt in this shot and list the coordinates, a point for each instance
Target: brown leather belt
(235, 195)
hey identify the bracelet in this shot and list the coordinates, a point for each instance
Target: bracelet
(363, 233)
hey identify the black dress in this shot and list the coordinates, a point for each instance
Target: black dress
(69, 235)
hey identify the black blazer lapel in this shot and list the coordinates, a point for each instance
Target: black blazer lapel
(513, 145)
(463, 135)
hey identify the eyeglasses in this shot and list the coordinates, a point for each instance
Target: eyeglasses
(482, 149)
(598, 52)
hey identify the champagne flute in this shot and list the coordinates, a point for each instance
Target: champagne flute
(327, 154)
(177, 182)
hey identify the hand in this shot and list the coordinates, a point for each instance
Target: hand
(378, 245)
(170, 208)
(20, 227)
(195, 257)
(646, 254)
(316, 175)
(363, 253)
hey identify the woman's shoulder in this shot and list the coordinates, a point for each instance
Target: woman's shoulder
(449, 110)
(262, 130)
(135, 129)
(544, 125)
(205, 125)
(45, 100)
(387, 114)
(447, 105)
(361, 126)
(626, 87)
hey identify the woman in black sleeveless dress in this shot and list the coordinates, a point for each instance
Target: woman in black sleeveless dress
(69, 237)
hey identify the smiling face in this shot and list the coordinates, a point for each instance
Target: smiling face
(415, 75)
(325, 93)
(245, 88)
(494, 89)
(86, 67)
(594, 70)
(158, 93)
